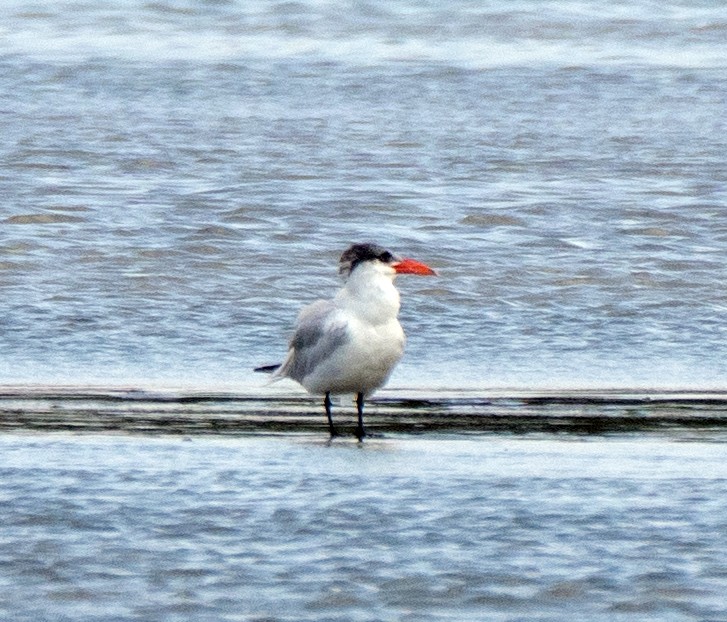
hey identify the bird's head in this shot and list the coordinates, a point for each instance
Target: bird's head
(358, 254)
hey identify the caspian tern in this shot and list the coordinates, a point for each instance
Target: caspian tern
(351, 343)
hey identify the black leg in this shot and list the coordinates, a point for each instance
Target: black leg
(360, 432)
(327, 405)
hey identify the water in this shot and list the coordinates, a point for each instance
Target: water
(131, 505)
(108, 528)
(179, 178)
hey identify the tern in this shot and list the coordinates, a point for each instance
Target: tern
(352, 342)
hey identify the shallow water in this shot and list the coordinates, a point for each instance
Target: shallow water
(125, 505)
(401, 528)
(179, 178)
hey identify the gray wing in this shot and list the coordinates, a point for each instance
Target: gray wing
(319, 332)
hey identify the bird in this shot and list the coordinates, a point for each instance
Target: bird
(352, 342)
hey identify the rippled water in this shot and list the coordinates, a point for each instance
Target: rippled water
(178, 178)
(101, 528)
(140, 506)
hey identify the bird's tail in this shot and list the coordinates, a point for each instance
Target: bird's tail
(267, 369)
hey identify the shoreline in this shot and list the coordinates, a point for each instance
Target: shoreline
(287, 390)
(96, 409)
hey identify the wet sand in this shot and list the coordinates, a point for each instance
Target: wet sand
(134, 411)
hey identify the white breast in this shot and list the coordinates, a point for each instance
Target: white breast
(363, 363)
(368, 305)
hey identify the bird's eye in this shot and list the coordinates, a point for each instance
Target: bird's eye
(386, 257)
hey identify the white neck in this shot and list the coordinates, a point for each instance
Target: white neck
(370, 293)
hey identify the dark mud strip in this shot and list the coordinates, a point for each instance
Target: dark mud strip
(139, 412)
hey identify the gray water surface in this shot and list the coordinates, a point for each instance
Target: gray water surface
(178, 178)
(400, 528)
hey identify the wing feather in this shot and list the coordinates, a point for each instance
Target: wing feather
(319, 332)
